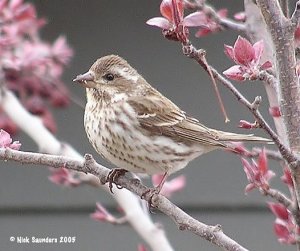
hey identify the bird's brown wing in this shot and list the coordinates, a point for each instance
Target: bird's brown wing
(160, 116)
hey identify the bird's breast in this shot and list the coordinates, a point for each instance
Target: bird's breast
(115, 133)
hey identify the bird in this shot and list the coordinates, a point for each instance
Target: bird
(138, 129)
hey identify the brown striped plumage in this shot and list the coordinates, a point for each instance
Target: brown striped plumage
(136, 128)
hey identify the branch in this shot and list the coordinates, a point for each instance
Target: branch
(225, 23)
(257, 30)
(296, 15)
(32, 125)
(190, 51)
(278, 196)
(214, 234)
(284, 4)
(282, 31)
(270, 154)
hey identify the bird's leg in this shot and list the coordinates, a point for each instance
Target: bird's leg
(112, 177)
(155, 191)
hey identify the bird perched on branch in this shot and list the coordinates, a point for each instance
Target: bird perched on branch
(137, 129)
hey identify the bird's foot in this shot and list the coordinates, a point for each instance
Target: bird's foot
(113, 176)
(149, 194)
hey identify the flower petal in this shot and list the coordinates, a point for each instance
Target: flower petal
(258, 49)
(222, 13)
(5, 139)
(243, 51)
(249, 188)
(282, 232)
(195, 19)
(240, 16)
(263, 162)
(203, 32)
(275, 111)
(166, 9)
(235, 73)
(279, 210)
(248, 169)
(160, 22)
(287, 177)
(229, 51)
(266, 65)
(246, 124)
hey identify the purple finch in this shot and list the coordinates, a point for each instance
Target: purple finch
(137, 129)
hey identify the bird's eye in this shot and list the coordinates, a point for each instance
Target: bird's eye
(109, 77)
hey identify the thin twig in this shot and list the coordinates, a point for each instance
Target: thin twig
(296, 15)
(225, 23)
(275, 155)
(278, 196)
(284, 7)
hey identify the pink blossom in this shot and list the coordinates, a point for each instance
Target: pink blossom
(246, 125)
(32, 68)
(63, 176)
(284, 227)
(287, 178)
(240, 16)
(61, 52)
(238, 147)
(171, 186)
(247, 58)
(101, 214)
(173, 20)
(275, 111)
(258, 174)
(279, 210)
(209, 25)
(284, 234)
(6, 141)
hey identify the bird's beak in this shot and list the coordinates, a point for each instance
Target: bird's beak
(86, 80)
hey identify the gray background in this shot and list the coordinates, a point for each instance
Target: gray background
(32, 206)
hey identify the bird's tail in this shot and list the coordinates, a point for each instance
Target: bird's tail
(234, 137)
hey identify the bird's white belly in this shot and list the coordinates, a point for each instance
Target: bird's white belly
(118, 139)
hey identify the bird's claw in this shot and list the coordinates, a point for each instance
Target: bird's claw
(113, 176)
(148, 196)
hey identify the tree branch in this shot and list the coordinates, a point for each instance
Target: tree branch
(214, 234)
(278, 196)
(282, 31)
(257, 30)
(225, 23)
(296, 15)
(190, 51)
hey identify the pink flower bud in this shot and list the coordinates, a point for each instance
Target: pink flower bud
(287, 177)
(6, 141)
(275, 111)
(240, 16)
(245, 124)
(101, 214)
(279, 210)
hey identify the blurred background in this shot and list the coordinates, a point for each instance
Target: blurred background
(30, 205)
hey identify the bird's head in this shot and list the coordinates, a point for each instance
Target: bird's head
(110, 75)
